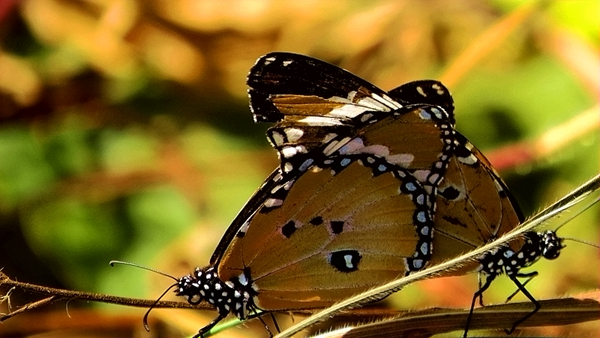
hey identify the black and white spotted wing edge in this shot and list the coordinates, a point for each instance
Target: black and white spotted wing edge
(282, 74)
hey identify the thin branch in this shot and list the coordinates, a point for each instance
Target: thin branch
(30, 306)
(62, 294)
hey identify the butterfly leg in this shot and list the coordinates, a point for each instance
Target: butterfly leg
(209, 326)
(478, 294)
(275, 322)
(479, 286)
(529, 277)
(265, 324)
(529, 296)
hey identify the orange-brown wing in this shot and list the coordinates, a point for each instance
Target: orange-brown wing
(474, 206)
(319, 108)
(353, 220)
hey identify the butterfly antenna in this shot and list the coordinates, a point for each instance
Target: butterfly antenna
(581, 241)
(112, 263)
(577, 213)
(145, 320)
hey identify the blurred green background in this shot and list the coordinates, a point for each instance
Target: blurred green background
(125, 131)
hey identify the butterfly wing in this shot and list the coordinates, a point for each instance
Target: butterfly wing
(354, 200)
(317, 86)
(425, 91)
(246, 213)
(473, 204)
(350, 206)
(352, 221)
(316, 106)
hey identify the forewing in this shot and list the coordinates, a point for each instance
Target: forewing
(353, 220)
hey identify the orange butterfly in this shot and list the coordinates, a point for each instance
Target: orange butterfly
(372, 185)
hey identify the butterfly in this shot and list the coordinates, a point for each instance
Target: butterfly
(366, 178)
(545, 244)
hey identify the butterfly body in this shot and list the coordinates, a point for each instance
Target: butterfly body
(366, 178)
(506, 261)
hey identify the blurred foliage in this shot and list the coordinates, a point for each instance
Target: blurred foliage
(125, 132)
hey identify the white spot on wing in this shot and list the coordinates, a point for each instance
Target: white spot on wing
(422, 175)
(351, 95)
(403, 160)
(329, 147)
(418, 263)
(438, 113)
(357, 146)
(320, 121)
(424, 114)
(353, 146)
(498, 186)
(391, 101)
(244, 227)
(339, 99)
(438, 88)
(287, 185)
(347, 110)
(376, 149)
(335, 145)
(348, 260)
(277, 138)
(329, 137)
(468, 160)
(306, 164)
(273, 202)
(294, 134)
(374, 102)
(366, 117)
(288, 152)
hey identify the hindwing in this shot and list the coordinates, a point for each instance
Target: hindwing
(365, 178)
(473, 204)
(365, 210)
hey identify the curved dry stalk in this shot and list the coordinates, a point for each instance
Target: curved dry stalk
(429, 322)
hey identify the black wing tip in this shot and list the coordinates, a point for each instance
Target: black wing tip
(262, 108)
(268, 59)
(425, 91)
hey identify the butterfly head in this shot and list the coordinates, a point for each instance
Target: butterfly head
(191, 287)
(551, 244)
(234, 296)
